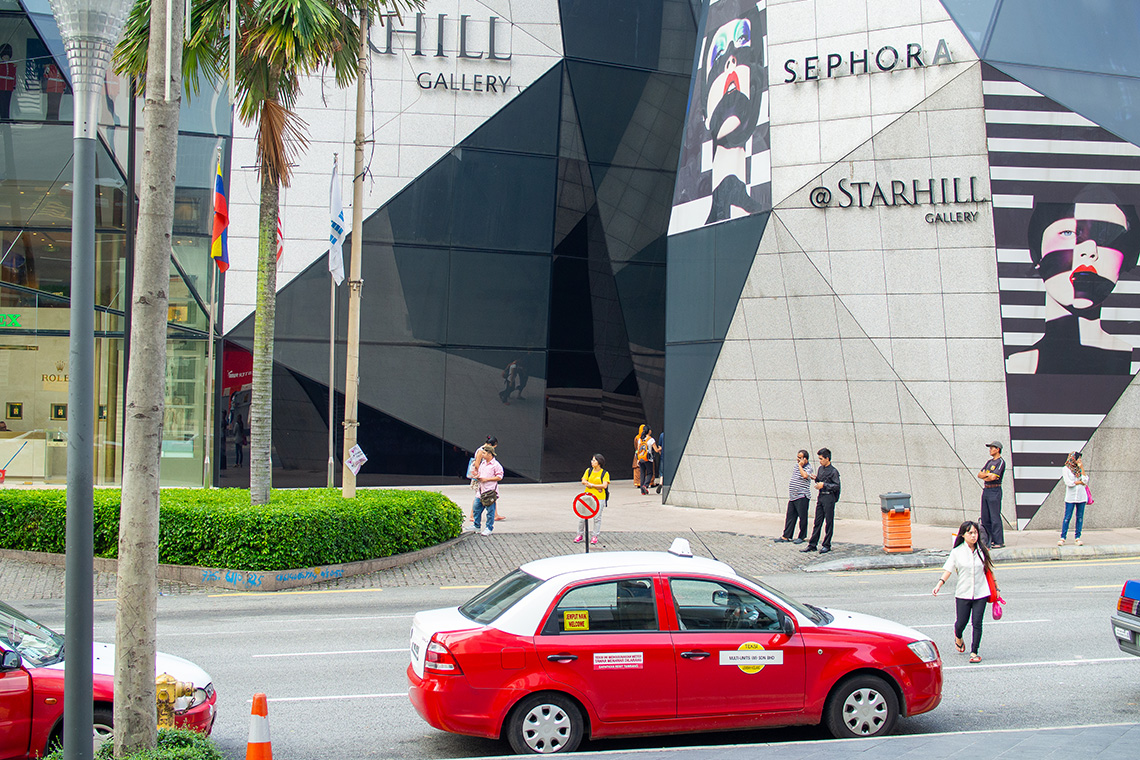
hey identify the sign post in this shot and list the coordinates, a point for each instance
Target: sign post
(585, 510)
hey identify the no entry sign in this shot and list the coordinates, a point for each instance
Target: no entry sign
(586, 505)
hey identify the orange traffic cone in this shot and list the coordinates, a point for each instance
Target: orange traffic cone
(258, 747)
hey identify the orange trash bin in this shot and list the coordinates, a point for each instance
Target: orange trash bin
(896, 522)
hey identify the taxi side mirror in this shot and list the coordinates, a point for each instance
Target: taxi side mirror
(720, 598)
(787, 626)
(11, 661)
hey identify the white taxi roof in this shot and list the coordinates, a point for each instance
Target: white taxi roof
(602, 563)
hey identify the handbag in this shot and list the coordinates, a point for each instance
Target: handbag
(487, 498)
(994, 596)
(1088, 493)
(997, 609)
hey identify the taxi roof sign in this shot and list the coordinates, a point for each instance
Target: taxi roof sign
(681, 548)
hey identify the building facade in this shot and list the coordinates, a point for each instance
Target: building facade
(925, 241)
(35, 260)
(519, 177)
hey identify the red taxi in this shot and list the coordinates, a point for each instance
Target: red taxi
(31, 688)
(642, 643)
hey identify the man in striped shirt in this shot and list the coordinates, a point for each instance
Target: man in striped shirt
(799, 491)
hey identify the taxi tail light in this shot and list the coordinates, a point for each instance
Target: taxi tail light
(440, 660)
(1129, 606)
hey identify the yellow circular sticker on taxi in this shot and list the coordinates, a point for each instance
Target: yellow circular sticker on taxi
(751, 657)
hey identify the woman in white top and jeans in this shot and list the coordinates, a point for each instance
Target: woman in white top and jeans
(1076, 495)
(970, 559)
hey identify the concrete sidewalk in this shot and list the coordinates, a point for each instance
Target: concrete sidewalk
(546, 508)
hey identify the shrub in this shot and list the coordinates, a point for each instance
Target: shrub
(219, 527)
(173, 744)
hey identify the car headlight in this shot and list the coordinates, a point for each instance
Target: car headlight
(925, 650)
(197, 697)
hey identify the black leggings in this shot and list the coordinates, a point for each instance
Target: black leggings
(968, 608)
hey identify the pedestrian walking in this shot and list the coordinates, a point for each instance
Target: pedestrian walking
(970, 559)
(799, 495)
(596, 481)
(636, 461)
(487, 451)
(827, 483)
(1076, 495)
(489, 474)
(993, 533)
(645, 460)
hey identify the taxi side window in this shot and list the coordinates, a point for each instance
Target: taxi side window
(623, 605)
(704, 605)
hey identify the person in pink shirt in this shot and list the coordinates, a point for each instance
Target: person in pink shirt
(489, 473)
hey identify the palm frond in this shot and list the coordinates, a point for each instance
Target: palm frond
(281, 137)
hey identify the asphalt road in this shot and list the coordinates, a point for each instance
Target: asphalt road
(332, 661)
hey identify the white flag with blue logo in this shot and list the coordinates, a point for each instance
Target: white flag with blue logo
(336, 232)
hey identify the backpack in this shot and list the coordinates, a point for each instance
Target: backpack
(642, 450)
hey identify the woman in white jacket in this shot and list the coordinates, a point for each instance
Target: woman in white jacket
(1076, 495)
(971, 560)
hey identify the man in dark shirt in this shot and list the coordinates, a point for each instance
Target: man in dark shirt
(993, 533)
(827, 483)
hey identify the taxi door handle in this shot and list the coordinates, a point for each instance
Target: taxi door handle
(562, 657)
(695, 654)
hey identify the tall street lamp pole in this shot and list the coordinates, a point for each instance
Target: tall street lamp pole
(90, 29)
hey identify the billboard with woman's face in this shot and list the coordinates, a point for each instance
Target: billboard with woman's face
(725, 168)
(1065, 199)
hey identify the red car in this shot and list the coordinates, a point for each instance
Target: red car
(31, 688)
(642, 643)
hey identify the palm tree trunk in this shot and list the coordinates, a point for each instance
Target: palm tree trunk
(261, 399)
(136, 611)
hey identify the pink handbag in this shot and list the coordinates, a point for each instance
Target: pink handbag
(998, 608)
(1088, 493)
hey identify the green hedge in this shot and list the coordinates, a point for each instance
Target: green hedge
(173, 744)
(219, 527)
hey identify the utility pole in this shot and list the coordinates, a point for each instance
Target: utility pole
(355, 283)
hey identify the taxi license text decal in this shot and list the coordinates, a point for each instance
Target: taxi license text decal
(619, 661)
(751, 657)
(576, 620)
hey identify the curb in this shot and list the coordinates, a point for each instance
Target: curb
(252, 580)
(936, 557)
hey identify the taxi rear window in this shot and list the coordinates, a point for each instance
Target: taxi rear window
(497, 598)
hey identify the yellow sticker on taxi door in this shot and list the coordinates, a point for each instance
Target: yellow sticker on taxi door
(576, 620)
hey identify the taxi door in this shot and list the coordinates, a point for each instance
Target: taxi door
(603, 639)
(15, 710)
(731, 652)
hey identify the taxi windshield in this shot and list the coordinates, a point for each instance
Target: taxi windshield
(815, 614)
(497, 598)
(37, 644)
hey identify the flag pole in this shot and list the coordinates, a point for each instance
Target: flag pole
(332, 356)
(211, 298)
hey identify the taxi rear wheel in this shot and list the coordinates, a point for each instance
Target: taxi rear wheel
(862, 706)
(543, 724)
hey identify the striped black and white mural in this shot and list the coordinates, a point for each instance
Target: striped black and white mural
(1065, 198)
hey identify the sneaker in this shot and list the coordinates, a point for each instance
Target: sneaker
(1061, 542)
(1080, 543)
(644, 492)
(578, 540)
(593, 540)
(486, 532)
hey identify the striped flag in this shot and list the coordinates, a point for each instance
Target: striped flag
(219, 242)
(336, 232)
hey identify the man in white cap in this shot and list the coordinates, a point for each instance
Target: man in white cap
(991, 474)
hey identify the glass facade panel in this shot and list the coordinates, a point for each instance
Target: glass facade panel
(1061, 34)
(183, 425)
(973, 18)
(688, 368)
(648, 34)
(498, 299)
(517, 216)
(692, 290)
(528, 125)
(36, 164)
(33, 86)
(418, 212)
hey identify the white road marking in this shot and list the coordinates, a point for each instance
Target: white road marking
(949, 624)
(1057, 663)
(331, 697)
(323, 654)
(306, 621)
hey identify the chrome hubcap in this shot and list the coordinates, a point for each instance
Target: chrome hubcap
(101, 733)
(546, 729)
(864, 712)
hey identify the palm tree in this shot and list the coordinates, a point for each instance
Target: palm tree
(279, 42)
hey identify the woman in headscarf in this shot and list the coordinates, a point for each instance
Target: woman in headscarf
(1076, 495)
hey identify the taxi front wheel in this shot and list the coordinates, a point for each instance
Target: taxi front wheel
(545, 723)
(862, 706)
